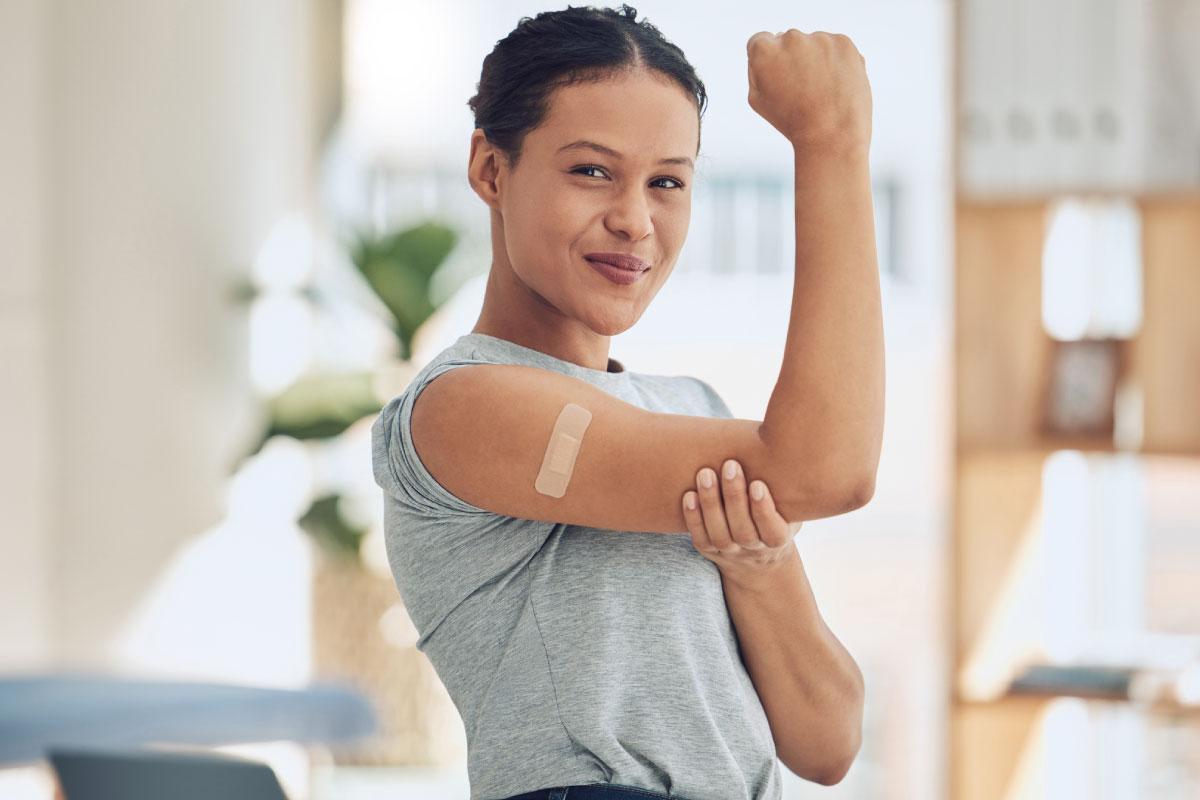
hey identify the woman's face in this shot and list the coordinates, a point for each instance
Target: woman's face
(565, 200)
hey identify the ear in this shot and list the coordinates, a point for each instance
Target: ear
(484, 169)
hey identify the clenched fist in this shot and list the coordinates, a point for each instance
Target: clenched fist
(811, 87)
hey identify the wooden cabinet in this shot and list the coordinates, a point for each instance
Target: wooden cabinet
(1074, 561)
(1069, 551)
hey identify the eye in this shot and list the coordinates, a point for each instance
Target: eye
(678, 183)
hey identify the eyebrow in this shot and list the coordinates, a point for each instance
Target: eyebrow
(608, 151)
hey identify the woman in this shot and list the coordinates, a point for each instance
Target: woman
(589, 656)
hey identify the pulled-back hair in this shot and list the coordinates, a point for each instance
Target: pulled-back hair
(557, 48)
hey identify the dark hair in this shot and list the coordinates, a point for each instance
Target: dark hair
(557, 48)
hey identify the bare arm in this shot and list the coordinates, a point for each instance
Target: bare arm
(810, 686)
(826, 411)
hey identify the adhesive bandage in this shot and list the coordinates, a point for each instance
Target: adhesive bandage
(559, 461)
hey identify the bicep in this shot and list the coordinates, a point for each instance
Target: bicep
(482, 432)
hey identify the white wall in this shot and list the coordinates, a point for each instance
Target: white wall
(25, 610)
(145, 150)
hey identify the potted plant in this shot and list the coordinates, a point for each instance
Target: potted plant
(361, 632)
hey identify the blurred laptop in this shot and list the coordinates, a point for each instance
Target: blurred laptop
(91, 774)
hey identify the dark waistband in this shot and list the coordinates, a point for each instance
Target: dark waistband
(594, 791)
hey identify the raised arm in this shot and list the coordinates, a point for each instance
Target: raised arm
(826, 411)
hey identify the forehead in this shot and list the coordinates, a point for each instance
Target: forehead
(638, 115)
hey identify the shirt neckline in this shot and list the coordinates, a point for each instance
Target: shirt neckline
(539, 355)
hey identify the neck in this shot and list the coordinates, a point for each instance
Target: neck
(515, 312)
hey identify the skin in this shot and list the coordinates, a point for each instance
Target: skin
(549, 211)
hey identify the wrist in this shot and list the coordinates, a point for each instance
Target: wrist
(832, 144)
(764, 578)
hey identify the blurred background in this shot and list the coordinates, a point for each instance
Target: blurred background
(232, 231)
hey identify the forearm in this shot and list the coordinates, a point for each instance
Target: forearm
(825, 415)
(810, 686)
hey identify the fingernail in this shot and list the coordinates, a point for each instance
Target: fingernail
(689, 500)
(706, 479)
(730, 470)
(757, 491)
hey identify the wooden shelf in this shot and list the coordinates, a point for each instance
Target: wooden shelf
(1159, 690)
(1031, 573)
(1041, 558)
(1003, 351)
(1028, 571)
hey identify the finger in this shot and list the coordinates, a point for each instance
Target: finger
(713, 511)
(695, 525)
(772, 527)
(757, 36)
(758, 39)
(737, 507)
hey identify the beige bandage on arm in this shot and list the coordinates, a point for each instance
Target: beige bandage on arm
(559, 460)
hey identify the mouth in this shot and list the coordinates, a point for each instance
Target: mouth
(616, 274)
(624, 261)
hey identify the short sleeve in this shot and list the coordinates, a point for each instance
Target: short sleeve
(718, 406)
(397, 468)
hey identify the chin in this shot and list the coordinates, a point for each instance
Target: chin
(611, 327)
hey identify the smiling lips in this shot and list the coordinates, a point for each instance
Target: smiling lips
(619, 260)
(617, 274)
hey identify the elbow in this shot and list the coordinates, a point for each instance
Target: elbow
(853, 494)
(826, 502)
(833, 771)
(862, 491)
(818, 486)
(842, 747)
(835, 776)
(837, 770)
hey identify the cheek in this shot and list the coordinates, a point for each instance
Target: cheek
(565, 223)
(673, 224)
(542, 235)
(570, 209)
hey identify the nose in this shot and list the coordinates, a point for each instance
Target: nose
(630, 215)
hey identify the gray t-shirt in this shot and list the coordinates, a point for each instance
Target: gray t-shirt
(574, 655)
